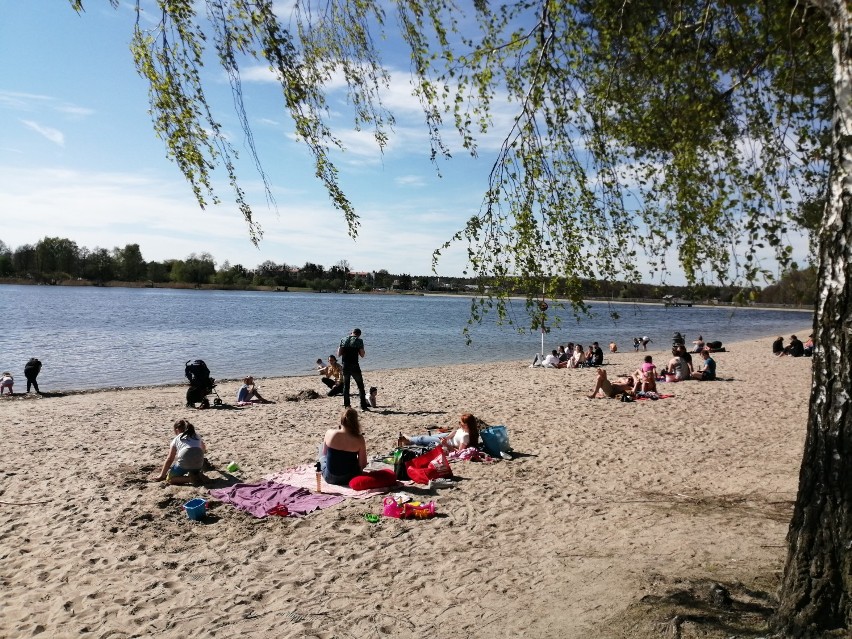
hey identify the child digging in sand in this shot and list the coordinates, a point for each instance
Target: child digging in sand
(6, 381)
(185, 460)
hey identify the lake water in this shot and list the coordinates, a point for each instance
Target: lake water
(89, 337)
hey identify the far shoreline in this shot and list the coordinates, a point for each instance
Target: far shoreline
(413, 293)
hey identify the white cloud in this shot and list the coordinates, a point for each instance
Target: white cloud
(35, 103)
(53, 135)
(75, 111)
(21, 101)
(410, 180)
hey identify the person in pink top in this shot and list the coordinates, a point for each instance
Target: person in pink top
(646, 376)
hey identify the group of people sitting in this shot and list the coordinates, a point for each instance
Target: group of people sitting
(645, 378)
(343, 453)
(571, 356)
(795, 348)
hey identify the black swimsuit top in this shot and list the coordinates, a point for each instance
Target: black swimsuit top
(341, 466)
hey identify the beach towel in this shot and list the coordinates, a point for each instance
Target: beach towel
(640, 397)
(305, 477)
(260, 499)
(469, 454)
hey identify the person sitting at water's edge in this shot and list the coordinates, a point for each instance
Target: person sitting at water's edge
(185, 460)
(248, 393)
(332, 376)
(465, 435)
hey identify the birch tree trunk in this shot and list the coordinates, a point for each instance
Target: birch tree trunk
(816, 591)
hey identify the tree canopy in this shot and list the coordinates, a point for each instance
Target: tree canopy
(644, 132)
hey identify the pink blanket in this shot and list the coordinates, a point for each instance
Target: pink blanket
(305, 477)
(259, 499)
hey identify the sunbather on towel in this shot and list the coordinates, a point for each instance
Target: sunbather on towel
(465, 435)
(606, 388)
(343, 454)
(185, 460)
(646, 376)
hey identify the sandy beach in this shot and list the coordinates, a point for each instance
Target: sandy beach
(612, 518)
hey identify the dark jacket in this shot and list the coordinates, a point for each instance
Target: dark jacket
(32, 368)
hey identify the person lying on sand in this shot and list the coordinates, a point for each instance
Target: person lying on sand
(185, 460)
(605, 388)
(465, 435)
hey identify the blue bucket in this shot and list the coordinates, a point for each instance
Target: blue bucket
(195, 509)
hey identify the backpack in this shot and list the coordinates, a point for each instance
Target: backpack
(401, 457)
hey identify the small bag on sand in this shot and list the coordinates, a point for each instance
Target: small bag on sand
(495, 439)
(401, 457)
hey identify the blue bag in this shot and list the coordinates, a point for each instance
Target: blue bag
(495, 439)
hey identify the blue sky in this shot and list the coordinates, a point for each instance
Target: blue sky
(79, 159)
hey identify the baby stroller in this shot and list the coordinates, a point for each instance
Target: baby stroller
(200, 385)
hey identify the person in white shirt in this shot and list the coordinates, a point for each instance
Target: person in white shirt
(551, 361)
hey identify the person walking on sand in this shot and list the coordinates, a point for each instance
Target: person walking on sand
(350, 350)
(31, 371)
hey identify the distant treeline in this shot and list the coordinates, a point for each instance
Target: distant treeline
(54, 260)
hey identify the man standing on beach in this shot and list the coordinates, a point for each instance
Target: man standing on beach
(350, 350)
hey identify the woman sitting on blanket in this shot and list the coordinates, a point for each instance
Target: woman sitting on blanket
(185, 460)
(463, 436)
(343, 454)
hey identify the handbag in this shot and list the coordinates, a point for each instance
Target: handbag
(495, 439)
(430, 465)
